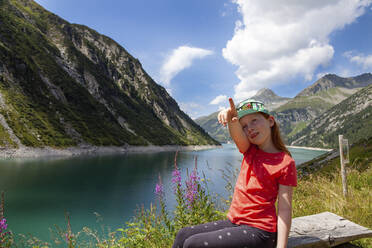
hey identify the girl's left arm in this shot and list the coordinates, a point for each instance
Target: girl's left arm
(284, 214)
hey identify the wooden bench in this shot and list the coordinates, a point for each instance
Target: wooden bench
(324, 230)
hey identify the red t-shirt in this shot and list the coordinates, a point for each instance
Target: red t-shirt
(257, 186)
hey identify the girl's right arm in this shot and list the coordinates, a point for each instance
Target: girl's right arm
(230, 117)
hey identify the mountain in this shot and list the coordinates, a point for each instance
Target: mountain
(295, 114)
(215, 129)
(330, 81)
(64, 84)
(270, 99)
(326, 92)
(220, 133)
(352, 117)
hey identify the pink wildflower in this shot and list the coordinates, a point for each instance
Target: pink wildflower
(159, 188)
(192, 187)
(3, 225)
(176, 177)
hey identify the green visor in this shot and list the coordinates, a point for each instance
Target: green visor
(250, 106)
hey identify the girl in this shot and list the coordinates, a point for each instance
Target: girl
(267, 173)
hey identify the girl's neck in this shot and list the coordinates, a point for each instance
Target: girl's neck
(268, 147)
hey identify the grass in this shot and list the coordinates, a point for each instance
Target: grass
(297, 128)
(5, 140)
(321, 190)
(304, 102)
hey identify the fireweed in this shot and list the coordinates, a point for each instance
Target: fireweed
(5, 237)
(159, 190)
(164, 213)
(176, 178)
(192, 184)
(176, 175)
(194, 206)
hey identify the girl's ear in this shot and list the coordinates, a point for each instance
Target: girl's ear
(271, 120)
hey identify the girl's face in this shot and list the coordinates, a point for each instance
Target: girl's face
(257, 128)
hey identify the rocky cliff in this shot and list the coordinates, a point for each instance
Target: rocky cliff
(64, 84)
(326, 92)
(352, 117)
(330, 81)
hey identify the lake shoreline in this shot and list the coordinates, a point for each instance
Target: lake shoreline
(87, 150)
(306, 148)
(32, 152)
(311, 148)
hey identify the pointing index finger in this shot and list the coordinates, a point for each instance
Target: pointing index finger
(232, 105)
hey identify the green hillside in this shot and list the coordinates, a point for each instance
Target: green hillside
(215, 129)
(64, 84)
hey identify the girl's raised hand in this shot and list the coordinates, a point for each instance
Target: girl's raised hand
(228, 115)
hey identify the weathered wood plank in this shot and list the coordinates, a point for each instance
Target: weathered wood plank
(324, 230)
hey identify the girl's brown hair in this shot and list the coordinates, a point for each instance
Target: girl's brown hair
(275, 136)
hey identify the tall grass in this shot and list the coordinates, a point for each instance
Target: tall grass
(322, 191)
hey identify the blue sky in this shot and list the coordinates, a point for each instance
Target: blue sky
(203, 51)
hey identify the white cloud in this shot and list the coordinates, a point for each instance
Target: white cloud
(180, 59)
(279, 40)
(219, 99)
(221, 108)
(364, 60)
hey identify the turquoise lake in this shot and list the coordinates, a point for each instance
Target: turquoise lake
(38, 192)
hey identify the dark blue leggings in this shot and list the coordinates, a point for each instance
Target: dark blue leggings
(223, 233)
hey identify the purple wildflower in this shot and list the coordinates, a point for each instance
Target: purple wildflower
(67, 237)
(176, 177)
(192, 187)
(159, 188)
(3, 225)
(176, 174)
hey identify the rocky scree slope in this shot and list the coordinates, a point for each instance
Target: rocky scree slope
(326, 92)
(352, 117)
(64, 84)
